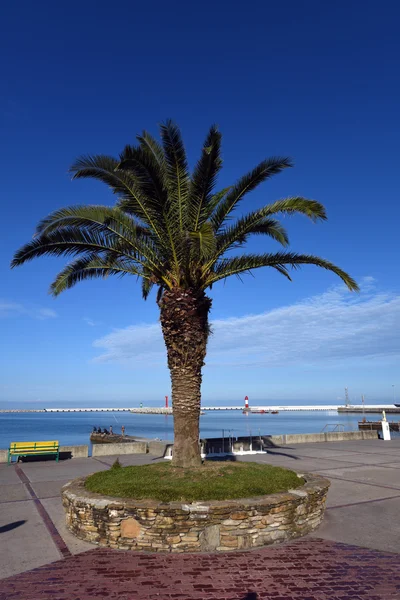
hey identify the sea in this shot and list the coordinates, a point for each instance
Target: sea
(75, 428)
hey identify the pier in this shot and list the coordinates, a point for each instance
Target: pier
(154, 410)
(377, 409)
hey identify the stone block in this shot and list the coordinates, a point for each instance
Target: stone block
(190, 538)
(173, 539)
(244, 541)
(227, 539)
(277, 535)
(130, 528)
(161, 520)
(239, 516)
(230, 544)
(210, 538)
(229, 522)
(301, 493)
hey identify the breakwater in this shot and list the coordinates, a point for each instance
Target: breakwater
(369, 409)
(155, 410)
(21, 410)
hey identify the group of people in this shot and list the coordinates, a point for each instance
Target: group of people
(100, 430)
(106, 431)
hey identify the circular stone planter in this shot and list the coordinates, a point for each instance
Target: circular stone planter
(214, 525)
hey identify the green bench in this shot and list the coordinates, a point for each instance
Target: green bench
(33, 448)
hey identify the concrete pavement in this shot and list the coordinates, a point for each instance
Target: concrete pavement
(363, 503)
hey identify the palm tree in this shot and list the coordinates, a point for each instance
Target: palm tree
(172, 230)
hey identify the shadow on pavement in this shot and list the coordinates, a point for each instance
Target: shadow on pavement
(11, 526)
(222, 458)
(45, 457)
(274, 453)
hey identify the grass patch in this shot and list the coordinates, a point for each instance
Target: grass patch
(212, 481)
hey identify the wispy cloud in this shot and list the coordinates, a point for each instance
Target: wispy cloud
(45, 313)
(91, 322)
(15, 309)
(329, 328)
(8, 309)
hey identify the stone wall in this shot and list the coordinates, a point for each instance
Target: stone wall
(329, 436)
(157, 448)
(81, 451)
(118, 449)
(261, 443)
(201, 526)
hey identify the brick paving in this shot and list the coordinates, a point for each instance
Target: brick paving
(309, 569)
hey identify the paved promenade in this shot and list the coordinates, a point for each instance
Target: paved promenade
(353, 555)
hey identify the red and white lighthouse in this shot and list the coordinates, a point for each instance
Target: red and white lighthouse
(246, 402)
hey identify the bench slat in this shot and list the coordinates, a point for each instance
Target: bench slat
(37, 451)
(17, 448)
(32, 444)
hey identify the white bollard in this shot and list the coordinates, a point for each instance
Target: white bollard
(385, 430)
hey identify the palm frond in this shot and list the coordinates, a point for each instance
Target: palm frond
(265, 170)
(238, 234)
(147, 286)
(155, 151)
(90, 267)
(204, 179)
(93, 216)
(281, 260)
(203, 241)
(259, 222)
(104, 169)
(177, 173)
(272, 228)
(148, 174)
(107, 222)
(69, 241)
(122, 183)
(295, 205)
(217, 197)
(150, 145)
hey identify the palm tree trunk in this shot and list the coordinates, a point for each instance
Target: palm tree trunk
(184, 322)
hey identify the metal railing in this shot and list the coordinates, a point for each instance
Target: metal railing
(336, 427)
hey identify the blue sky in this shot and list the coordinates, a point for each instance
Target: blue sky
(314, 81)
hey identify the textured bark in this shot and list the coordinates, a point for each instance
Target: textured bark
(184, 322)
